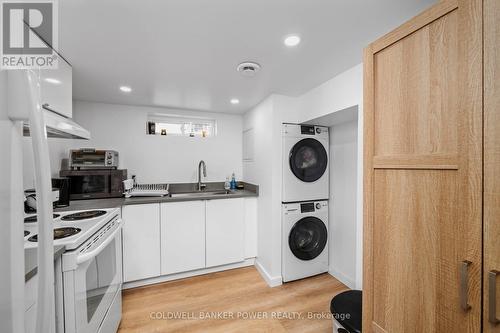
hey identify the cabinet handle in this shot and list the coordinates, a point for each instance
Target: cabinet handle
(492, 279)
(464, 282)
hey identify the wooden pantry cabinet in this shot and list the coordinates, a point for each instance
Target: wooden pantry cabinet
(424, 247)
(491, 219)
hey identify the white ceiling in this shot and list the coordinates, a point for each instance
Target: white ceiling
(183, 53)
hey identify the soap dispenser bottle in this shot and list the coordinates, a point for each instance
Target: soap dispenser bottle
(233, 182)
(227, 184)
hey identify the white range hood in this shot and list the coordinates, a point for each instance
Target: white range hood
(51, 92)
(58, 126)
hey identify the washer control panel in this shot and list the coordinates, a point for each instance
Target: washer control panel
(305, 207)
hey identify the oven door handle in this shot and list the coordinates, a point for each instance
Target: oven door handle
(89, 255)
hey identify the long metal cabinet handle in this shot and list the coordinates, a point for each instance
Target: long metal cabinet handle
(492, 279)
(464, 282)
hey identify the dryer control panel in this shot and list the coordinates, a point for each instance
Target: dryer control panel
(295, 130)
(305, 207)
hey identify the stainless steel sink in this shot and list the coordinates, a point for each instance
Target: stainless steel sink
(200, 194)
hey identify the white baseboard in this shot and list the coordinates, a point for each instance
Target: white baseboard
(183, 275)
(347, 280)
(272, 281)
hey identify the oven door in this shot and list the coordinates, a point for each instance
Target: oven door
(91, 287)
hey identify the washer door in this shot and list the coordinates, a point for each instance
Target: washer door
(308, 237)
(308, 160)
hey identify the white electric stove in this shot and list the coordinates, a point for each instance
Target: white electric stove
(91, 270)
(71, 228)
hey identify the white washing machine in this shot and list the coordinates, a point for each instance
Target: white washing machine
(305, 240)
(305, 163)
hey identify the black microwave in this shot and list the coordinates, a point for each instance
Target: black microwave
(95, 184)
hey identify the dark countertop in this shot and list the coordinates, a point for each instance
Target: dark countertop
(249, 191)
(31, 260)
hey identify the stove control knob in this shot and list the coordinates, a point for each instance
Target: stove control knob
(318, 206)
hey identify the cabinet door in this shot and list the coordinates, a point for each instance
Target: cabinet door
(182, 236)
(57, 88)
(141, 241)
(491, 284)
(225, 231)
(423, 173)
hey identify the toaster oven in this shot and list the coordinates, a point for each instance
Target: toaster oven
(89, 158)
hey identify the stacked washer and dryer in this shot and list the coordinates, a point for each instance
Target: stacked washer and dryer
(305, 201)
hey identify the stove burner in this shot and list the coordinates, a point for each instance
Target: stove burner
(59, 233)
(31, 219)
(26, 233)
(83, 215)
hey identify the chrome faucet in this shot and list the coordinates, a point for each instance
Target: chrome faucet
(200, 185)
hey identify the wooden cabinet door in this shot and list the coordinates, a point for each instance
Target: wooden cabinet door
(141, 241)
(491, 285)
(225, 231)
(182, 236)
(423, 173)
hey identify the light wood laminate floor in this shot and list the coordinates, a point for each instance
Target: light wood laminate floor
(236, 294)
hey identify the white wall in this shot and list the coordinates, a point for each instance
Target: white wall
(260, 171)
(341, 93)
(344, 91)
(153, 158)
(342, 207)
(58, 149)
(266, 170)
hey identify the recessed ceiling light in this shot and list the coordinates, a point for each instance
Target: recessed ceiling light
(125, 89)
(292, 40)
(235, 101)
(51, 80)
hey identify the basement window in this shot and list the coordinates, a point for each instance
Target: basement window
(174, 125)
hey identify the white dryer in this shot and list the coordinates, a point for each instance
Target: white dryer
(305, 240)
(305, 163)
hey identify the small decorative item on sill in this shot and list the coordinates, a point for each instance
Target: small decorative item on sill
(163, 132)
(151, 128)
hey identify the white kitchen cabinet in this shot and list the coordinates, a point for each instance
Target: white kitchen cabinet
(57, 89)
(141, 242)
(250, 228)
(225, 231)
(182, 236)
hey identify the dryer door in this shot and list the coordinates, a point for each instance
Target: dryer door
(308, 160)
(308, 237)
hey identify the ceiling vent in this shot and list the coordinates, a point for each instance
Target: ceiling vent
(248, 68)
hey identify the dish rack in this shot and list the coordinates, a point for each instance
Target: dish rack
(145, 190)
